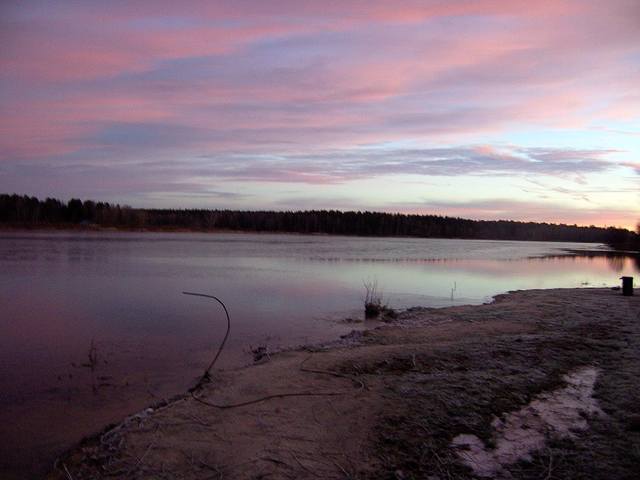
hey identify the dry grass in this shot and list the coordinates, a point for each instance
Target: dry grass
(459, 388)
(374, 304)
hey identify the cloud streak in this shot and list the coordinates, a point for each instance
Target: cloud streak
(342, 166)
(330, 167)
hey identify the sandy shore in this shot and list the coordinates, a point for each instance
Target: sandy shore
(537, 384)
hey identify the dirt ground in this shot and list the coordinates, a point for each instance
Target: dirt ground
(422, 397)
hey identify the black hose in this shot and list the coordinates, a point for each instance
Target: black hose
(207, 373)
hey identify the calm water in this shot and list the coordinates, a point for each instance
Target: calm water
(62, 291)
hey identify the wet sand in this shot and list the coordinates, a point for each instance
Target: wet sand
(389, 402)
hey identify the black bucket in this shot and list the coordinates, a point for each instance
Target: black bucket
(627, 286)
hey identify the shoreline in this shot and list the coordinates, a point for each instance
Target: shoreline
(601, 249)
(362, 395)
(4, 228)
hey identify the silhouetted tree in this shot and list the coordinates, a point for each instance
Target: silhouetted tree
(28, 211)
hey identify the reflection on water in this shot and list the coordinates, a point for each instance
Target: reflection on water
(60, 291)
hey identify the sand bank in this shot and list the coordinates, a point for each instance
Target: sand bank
(395, 402)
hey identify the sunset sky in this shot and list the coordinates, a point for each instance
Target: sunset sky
(526, 110)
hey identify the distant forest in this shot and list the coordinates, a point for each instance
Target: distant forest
(22, 211)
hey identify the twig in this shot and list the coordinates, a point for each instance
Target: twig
(265, 398)
(145, 453)
(550, 467)
(346, 474)
(140, 459)
(66, 471)
(220, 470)
(276, 461)
(335, 410)
(363, 386)
(296, 439)
(212, 468)
(301, 465)
(198, 420)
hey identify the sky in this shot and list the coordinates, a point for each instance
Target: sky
(486, 109)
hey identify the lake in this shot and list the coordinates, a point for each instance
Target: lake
(118, 295)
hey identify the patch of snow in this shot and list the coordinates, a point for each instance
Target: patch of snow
(558, 413)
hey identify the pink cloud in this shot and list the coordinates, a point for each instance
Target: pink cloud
(218, 79)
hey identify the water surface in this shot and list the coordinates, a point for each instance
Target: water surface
(121, 292)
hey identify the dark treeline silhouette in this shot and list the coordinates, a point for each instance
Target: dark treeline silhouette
(30, 212)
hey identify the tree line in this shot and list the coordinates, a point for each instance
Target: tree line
(23, 211)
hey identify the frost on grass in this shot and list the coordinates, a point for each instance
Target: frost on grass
(558, 413)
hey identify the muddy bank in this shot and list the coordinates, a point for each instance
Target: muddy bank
(430, 396)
